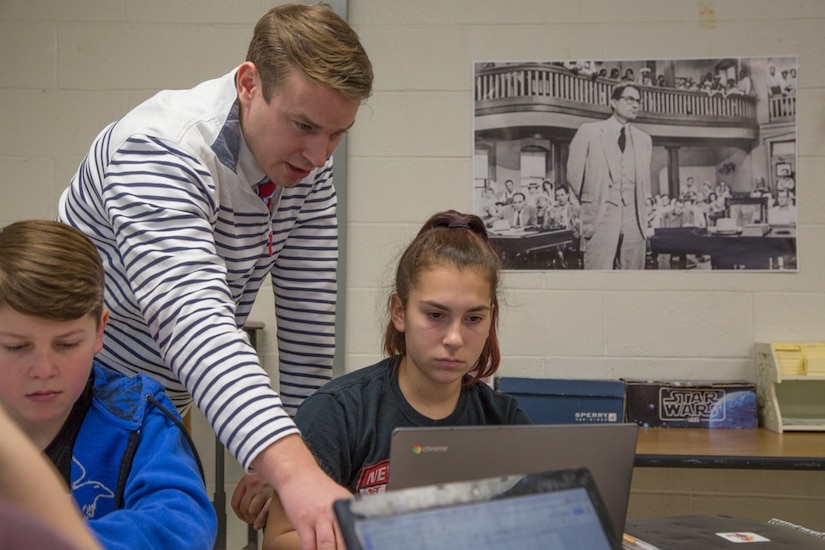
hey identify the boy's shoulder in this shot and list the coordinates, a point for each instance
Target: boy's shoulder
(121, 395)
(140, 383)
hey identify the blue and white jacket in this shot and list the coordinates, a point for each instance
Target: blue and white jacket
(135, 475)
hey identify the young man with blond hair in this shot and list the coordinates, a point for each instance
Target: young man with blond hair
(195, 197)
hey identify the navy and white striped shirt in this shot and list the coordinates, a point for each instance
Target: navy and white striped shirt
(167, 195)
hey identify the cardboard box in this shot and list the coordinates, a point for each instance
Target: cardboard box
(557, 401)
(691, 404)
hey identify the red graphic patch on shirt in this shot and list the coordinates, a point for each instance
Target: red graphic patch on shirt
(373, 479)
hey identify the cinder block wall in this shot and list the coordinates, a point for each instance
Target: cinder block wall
(69, 68)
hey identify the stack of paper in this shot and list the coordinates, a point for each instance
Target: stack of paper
(755, 229)
(814, 359)
(790, 358)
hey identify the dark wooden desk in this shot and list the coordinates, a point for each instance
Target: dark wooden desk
(520, 249)
(728, 251)
(718, 448)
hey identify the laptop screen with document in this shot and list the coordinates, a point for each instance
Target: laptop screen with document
(560, 510)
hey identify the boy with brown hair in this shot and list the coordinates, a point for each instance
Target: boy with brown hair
(117, 441)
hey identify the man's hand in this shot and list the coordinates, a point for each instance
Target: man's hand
(305, 491)
(251, 499)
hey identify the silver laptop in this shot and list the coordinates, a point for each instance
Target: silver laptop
(426, 456)
(560, 510)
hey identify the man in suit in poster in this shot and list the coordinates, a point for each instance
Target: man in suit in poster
(519, 213)
(608, 169)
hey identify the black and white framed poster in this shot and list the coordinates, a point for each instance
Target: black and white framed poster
(638, 164)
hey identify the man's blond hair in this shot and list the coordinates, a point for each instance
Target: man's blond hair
(314, 40)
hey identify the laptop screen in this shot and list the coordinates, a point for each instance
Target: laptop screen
(537, 511)
(426, 456)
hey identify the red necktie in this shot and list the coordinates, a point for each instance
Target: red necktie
(266, 190)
